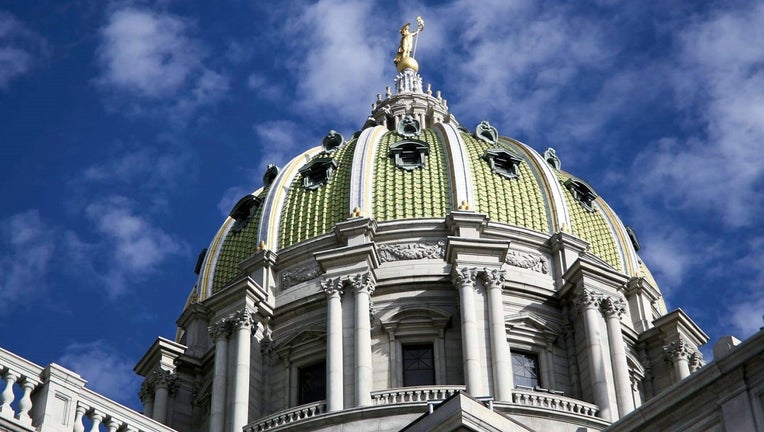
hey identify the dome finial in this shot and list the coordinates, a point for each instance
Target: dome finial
(405, 58)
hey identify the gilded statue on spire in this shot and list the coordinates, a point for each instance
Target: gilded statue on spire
(404, 59)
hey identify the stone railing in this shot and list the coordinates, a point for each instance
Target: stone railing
(421, 394)
(54, 399)
(288, 416)
(553, 402)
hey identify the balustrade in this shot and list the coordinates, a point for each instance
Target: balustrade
(553, 402)
(414, 394)
(288, 416)
(37, 385)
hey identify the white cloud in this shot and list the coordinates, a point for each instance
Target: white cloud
(147, 52)
(135, 246)
(27, 247)
(20, 49)
(140, 168)
(338, 60)
(106, 370)
(152, 57)
(719, 84)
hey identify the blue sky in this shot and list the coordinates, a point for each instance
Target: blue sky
(129, 128)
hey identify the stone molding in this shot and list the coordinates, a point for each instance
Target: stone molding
(290, 278)
(411, 251)
(527, 260)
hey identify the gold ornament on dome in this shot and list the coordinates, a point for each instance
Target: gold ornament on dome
(405, 58)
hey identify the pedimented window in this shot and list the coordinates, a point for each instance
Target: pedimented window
(243, 210)
(582, 192)
(317, 172)
(503, 162)
(409, 154)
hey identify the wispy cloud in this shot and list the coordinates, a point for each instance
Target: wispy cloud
(105, 368)
(27, 248)
(338, 60)
(152, 57)
(135, 246)
(718, 170)
(20, 49)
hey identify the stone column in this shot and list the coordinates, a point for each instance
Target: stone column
(163, 383)
(146, 395)
(242, 323)
(334, 381)
(363, 287)
(589, 303)
(613, 309)
(678, 352)
(464, 279)
(501, 359)
(219, 332)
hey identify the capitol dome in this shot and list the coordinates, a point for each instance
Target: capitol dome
(414, 269)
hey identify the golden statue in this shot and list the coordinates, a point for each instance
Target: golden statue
(407, 43)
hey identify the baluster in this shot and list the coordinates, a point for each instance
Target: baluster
(25, 403)
(112, 425)
(78, 426)
(7, 396)
(96, 417)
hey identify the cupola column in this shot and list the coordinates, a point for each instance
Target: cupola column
(464, 279)
(613, 309)
(334, 379)
(219, 332)
(242, 322)
(500, 355)
(363, 287)
(589, 303)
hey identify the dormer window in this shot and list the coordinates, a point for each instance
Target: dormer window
(503, 162)
(317, 172)
(243, 210)
(410, 154)
(582, 192)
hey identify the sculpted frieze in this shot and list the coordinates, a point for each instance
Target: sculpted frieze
(411, 251)
(528, 261)
(290, 278)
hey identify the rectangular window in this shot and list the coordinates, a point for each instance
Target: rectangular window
(525, 368)
(311, 383)
(418, 365)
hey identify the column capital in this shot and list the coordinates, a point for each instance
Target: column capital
(333, 286)
(678, 350)
(362, 282)
(696, 361)
(243, 318)
(162, 378)
(612, 307)
(147, 391)
(494, 277)
(464, 276)
(588, 299)
(220, 329)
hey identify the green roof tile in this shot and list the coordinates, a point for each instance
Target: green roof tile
(310, 213)
(592, 227)
(516, 201)
(401, 194)
(237, 246)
